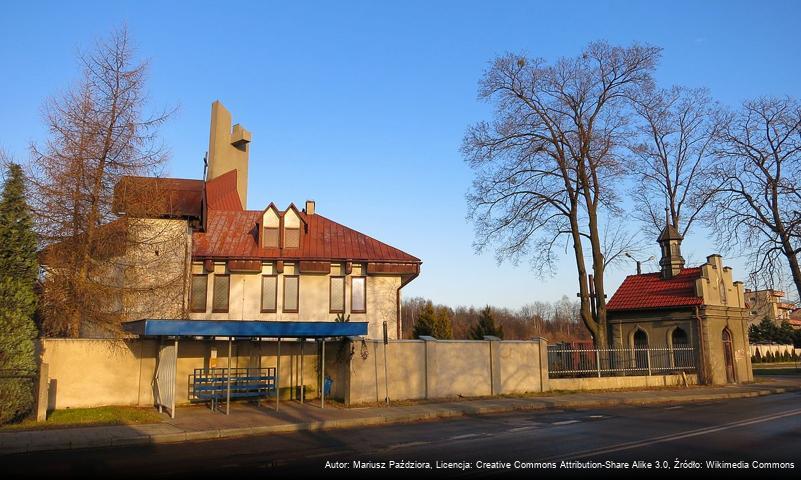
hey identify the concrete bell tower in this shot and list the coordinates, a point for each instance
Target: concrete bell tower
(670, 244)
(228, 149)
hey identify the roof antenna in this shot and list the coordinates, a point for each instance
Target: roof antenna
(205, 164)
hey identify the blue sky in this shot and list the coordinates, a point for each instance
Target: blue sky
(362, 105)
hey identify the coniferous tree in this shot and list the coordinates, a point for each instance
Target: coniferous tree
(18, 273)
(443, 327)
(425, 323)
(486, 326)
(99, 134)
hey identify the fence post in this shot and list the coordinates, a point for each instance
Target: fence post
(42, 393)
(598, 361)
(430, 366)
(494, 365)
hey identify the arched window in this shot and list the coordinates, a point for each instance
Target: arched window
(640, 341)
(680, 343)
(679, 337)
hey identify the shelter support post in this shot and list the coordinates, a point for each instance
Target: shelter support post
(278, 375)
(322, 375)
(228, 381)
(175, 369)
(302, 392)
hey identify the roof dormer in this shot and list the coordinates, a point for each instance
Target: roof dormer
(270, 227)
(292, 227)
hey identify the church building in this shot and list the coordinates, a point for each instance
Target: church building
(272, 263)
(700, 307)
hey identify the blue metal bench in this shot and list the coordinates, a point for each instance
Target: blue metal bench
(216, 384)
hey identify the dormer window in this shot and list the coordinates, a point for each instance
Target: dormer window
(270, 227)
(270, 237)
(291, 237)
(291, 228)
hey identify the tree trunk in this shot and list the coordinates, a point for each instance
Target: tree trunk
(584, 294)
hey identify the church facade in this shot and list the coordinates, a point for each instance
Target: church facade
(680, 307)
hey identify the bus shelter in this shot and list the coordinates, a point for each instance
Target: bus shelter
(169, 332)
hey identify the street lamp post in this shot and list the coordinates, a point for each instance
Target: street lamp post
(639, 262)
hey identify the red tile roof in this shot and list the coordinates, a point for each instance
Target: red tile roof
(233, 234)
(646, 291)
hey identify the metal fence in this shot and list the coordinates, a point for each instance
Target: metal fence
(572, 362)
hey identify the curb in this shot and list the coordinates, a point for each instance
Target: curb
(19, 447)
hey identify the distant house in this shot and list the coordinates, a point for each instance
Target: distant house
(795, 318)
(699, 307)
(272, 263)
(767, 304)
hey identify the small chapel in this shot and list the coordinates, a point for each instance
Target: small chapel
(701, 307)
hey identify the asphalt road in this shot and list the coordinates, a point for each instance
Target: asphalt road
(758, 431)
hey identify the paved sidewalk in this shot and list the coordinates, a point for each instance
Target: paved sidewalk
(199, 423)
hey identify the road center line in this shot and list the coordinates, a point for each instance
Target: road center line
(676, 436)
(565, 422)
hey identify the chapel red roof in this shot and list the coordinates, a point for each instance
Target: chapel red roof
(234, 234)
(649, 290)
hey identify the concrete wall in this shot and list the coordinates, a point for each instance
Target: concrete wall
(90, 373)
(420, 369)
(609, 383)
(774, 349)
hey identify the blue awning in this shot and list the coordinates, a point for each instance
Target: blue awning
(244, 328)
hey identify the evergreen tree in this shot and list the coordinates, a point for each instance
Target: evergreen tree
(425, 323)
(18, 274)
(485, 326)
(443, 326)
(754, 334)
(784, 333)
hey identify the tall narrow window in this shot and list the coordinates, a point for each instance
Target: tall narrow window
(200, 285)
(222, 284)
(269, 293)
(358, 294)
(270, 237)
(291, 237)
(337, 295)
(291, 288)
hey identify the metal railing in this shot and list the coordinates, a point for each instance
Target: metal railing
(572, 362)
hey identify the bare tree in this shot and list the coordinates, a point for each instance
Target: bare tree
(98, 133)
(545, 168)
(618, 242)
(757, 209)
(673, 156)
